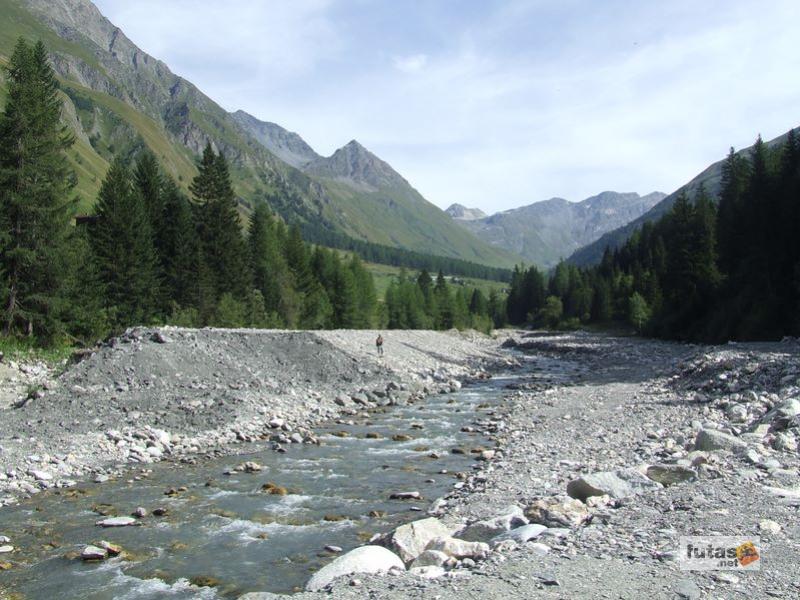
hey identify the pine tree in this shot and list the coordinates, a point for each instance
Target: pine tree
(445, 317)
(36, 205)
(366, 297)
(219, 231)
(176, 245)
(123, 247)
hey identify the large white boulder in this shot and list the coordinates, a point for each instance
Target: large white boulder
(409, 540)
(366, 559)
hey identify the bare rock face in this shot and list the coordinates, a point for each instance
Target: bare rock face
(366, 559)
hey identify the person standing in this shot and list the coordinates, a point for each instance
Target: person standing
(379, 344)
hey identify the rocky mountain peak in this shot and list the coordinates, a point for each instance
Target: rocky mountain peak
(459, 211)
(286, 145)
(355, 165)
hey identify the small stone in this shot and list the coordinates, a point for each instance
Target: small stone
(670, 474)
(333, 549)
(40, 475)
(93, 553)
(6, 549)
(160, 512)
(769, 526)
(111, 549)
(139, 513)
(405, 496)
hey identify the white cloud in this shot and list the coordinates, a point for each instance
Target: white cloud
(410, 64)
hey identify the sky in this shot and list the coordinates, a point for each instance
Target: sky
(496, 104)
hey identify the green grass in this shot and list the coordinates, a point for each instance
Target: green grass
(383, 275)
(401, 217)
(24, 349)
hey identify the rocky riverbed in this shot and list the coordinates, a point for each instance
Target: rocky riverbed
(593, 477)
(170, 393)
(597, 478)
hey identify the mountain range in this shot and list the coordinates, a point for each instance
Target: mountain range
(546, 232)
(120, 100)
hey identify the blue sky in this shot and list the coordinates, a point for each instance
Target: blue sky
(496, 104)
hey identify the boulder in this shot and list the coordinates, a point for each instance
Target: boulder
(711, 439)
(459, 549)
(558, 512)
(780, 416)
(117, 522)
(366, 559)
(520, 535)
(670, 474)
(489, 528)
(617, 484)
(429, 572)
(409, 540)
(433, 558)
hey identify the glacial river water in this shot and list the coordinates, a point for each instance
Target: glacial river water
(224, 530)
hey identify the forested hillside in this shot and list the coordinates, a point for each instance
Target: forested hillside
(702, 271)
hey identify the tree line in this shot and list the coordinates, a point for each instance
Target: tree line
(422, 303)
(704, 272)
(402, 257)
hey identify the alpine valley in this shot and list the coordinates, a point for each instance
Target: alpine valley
(119, 100)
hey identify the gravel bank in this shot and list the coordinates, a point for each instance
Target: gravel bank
(169, 393)
(722, 422)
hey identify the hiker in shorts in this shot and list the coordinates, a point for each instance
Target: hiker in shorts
(379, 344)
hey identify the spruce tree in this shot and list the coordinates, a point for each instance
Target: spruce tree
(176, 245)
(219, 231)
(36, 206)
(123, 247)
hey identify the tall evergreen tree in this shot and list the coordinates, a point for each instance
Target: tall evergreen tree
(176, 245)
(36, 205)
(123, 247)
(219, 230)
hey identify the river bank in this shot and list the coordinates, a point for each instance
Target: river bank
(171, 393)
(711, 433)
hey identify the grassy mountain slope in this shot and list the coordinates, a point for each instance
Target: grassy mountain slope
(120, 100)
(710, 178)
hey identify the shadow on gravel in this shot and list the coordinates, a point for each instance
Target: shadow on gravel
(440, 357)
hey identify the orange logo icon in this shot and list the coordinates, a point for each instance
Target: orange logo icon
(746, 554)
